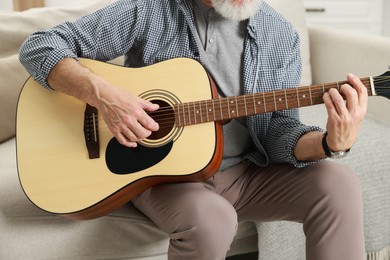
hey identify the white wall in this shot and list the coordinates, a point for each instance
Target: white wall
(7, 5)
(386, 18)
(59, 2)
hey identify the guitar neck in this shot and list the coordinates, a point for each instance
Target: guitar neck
(227, 108)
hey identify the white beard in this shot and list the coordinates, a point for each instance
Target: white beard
(236, 11)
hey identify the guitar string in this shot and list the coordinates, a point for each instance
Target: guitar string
(195, 104)
(225, 103)
(169, 121)
(266, 95)
(240, 100)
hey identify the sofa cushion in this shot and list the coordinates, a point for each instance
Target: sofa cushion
(15, 27)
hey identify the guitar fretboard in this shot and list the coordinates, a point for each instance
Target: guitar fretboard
(259, 103)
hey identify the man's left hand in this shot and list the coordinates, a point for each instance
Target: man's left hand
(345, 116)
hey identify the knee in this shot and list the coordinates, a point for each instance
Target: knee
(338, 188)
(215, 225)
(210, 229)
(338, 181)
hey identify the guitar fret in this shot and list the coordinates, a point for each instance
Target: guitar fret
(282, 99)
(264, 103)
(291, 98)
(189, 113)
(311, 98)
(299, 105)
(231, 102)
(210, 111)
(306, 97)
(220, 106)
(178, 118)
(228, 106)
(200, 111)
(276, 107)
(207, 113)
(254, 102)
(212, 101)
(184, 115)
(285, 96)
(195, 112)
(246, 111)
(238, 113)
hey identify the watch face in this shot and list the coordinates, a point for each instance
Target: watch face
(338, 155)
(329, 153)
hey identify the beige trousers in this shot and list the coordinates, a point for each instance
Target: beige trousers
(201, 218)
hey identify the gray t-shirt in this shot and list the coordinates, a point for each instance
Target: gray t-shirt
(222, 55)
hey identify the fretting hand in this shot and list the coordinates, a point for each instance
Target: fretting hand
(345, 116)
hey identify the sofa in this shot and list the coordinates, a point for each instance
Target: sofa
(328, 55)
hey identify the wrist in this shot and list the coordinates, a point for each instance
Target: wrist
(95, 89)
(331, 153)
(308, 147)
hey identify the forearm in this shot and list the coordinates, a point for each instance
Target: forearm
(309, 147)
(71, 78)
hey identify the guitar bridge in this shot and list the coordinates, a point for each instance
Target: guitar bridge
(91, 131)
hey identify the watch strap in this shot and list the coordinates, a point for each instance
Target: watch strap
(328, 151)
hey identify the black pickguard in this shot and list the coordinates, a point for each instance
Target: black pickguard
(124, 160)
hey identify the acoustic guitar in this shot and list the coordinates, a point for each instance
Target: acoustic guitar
(70, 164)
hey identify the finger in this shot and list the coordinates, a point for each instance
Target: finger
(122, 139)
(133, 130)
(338, 101)
(329, 105)
(144, 119)
(351, 97)
(149, 124)
(361, 90)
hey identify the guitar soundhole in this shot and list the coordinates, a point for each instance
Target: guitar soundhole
(165, 117)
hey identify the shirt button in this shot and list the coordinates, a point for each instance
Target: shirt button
(211, 40)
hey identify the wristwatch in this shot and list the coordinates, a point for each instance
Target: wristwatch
(332, 154)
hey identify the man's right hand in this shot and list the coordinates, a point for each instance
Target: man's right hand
(124, 113)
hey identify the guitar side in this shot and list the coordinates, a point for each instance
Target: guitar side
(54, 169)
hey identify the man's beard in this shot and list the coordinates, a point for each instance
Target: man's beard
(236, 11)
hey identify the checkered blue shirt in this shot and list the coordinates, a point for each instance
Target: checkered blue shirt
(150, 31)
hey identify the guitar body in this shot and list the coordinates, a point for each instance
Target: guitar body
(54, 167)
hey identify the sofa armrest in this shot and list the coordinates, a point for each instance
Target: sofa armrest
(334, 53)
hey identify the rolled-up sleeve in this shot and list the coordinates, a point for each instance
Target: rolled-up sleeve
(103, 35)
(285, 128)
